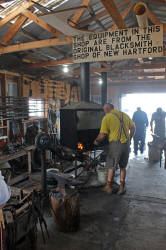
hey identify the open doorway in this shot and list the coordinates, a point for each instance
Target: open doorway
(148, 102)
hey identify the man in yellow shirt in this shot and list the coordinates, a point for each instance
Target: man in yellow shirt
(108, 107)
(120, 129)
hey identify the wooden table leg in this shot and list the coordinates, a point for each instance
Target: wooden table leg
(29, 163)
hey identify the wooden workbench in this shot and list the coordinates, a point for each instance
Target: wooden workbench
(24, 151)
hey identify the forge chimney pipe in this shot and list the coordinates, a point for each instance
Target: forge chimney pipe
(104, 88)
(85, 81)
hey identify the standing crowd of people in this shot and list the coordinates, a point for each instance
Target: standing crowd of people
(119, 128)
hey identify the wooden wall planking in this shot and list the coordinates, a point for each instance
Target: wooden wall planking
(61, 89)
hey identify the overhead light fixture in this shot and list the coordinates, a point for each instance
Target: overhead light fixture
(150, 58)
(100, 81)
(65, 69)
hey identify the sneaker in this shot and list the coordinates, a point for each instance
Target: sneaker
(122, 189)
(108, 188)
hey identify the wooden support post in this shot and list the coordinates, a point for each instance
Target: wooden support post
(20, 86)
(3, 85)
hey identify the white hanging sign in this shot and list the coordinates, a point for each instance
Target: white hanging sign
(118, 44)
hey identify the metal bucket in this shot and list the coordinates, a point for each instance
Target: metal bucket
(102, 175)
(154, 152)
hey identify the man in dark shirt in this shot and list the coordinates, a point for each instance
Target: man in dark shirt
(141, 122)
(158, 118)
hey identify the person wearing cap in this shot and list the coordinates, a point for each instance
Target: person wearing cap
(120, 129)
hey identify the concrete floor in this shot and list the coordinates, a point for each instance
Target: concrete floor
(135, 221)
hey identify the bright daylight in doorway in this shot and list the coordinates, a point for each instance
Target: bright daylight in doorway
(148, 102)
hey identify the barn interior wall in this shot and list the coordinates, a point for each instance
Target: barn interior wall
(117, 90)
(17, 85)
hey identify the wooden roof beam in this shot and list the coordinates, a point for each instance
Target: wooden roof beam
(77, 16)
(123, 14)
(13, 30)
(51, 63)
(134, 67)
(35, 45)
(101, 14)
(113, 11)
(16, 12)
(99, 70)
(41, 23)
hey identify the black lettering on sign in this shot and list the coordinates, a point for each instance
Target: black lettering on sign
(154, 49)
(151, 29)
(80, 56)
(135, 31)
(96, 54)
(160, 49)
(129, 52)
(78, 38)
(137, 44)
(118, 39)
(143, 37)
(150, 50)
(134, 42)
(124, 52)
(150, 43)
(134, 51)
(108, 53)
(80, 44)
(157, 28)
(109, 47)
(116, 52)
(117, 46)
(100, 42)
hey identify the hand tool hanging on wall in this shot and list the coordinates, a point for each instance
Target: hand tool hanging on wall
(19, 107)
(73, 85)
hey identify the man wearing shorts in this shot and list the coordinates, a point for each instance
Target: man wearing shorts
(120, 129)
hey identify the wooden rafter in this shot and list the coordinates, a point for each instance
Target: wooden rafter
(77, 16)
(63, 10)
(134, 67)
(154, 18)
(155, 1)
(16, 12)
(114, 13)
(31, 37)
(123, 14)
(136, 74)
(13, 30)
(40, 22)
(34, 45)
(3, 1)
(106, 67)
(101, 14)
(51, 63)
